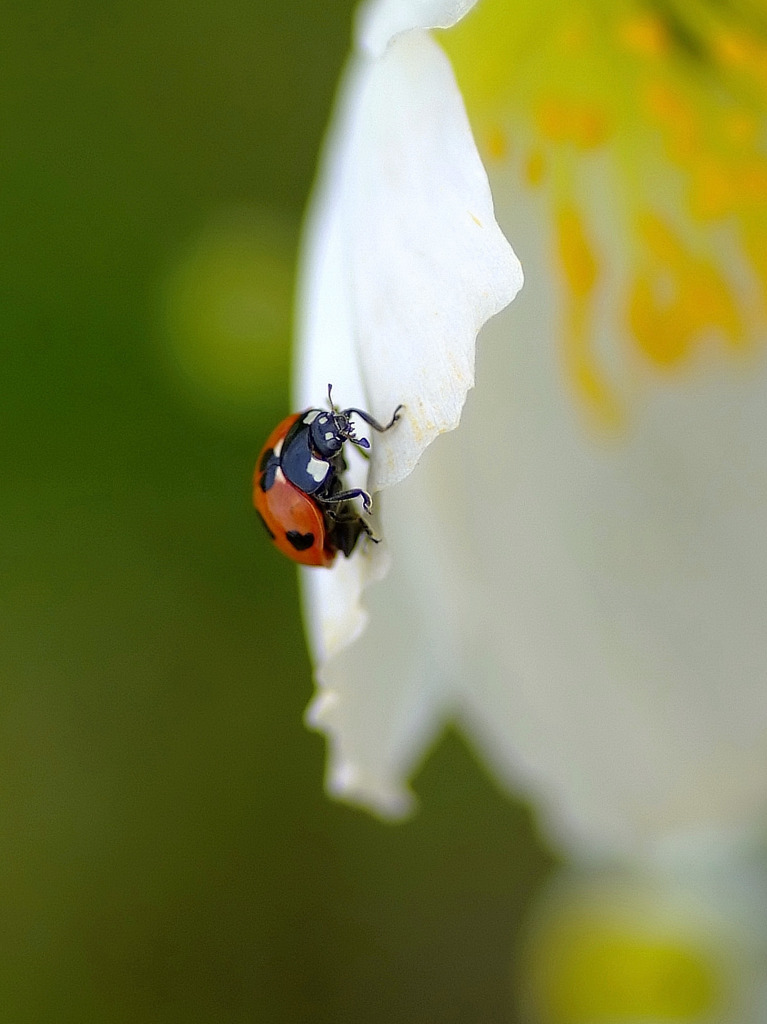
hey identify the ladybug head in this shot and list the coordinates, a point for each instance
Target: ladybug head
(330, 430)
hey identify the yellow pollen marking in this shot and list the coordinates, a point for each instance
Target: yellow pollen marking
(733, 49)
(677, 298)
(720, 188)
(534, 169)
(713, 192)
(741, 128)
(645, 34)
(677, 118)
(584, 125)
(496, 144)
(742, 54)
(575, 253)
(754, 237)
(754, 182)
(580, 269)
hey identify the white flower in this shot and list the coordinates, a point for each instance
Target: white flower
(578, 575)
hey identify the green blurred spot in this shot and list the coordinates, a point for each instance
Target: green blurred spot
(227, 307)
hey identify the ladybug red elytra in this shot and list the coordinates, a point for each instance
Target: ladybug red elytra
(298, 487)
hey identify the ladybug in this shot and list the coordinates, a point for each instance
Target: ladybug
(298, 487)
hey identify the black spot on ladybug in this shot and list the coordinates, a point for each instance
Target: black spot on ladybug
(264, 523)
(300, 541)
(265, 459)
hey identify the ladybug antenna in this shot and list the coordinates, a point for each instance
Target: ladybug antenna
(330, 398)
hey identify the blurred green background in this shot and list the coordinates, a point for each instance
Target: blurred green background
(166, 850)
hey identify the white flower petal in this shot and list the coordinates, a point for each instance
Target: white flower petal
(379, 21)
(418, 262)
(630, 607)
(621, 684)
(403, 263)
(430, 265)
(383, 698)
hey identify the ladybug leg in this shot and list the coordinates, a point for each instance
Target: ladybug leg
(373, 422)
(344, 530)
(350, 515)
(356, 492)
